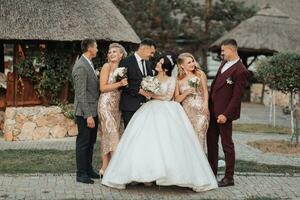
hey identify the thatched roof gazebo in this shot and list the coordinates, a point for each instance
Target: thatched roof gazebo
(290, 7)
(67, 20)
(32, 26)
(269, 31)
(275, 28)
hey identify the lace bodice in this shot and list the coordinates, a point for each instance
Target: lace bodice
(167, 89)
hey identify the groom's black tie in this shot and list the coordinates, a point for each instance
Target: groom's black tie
(144, 68)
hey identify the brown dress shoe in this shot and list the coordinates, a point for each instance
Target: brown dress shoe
(226, 182)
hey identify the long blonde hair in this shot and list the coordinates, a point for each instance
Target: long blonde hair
(180, 60)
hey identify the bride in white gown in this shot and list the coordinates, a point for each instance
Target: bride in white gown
(159, 144)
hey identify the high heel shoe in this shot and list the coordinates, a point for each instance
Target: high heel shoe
(101, 173)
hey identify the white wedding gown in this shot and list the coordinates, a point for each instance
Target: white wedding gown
(159, 144)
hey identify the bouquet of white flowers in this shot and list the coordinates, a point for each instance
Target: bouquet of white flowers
(150, 84)
(194, 82)
(120, 73)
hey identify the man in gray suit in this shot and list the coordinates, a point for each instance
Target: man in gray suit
(86, 87)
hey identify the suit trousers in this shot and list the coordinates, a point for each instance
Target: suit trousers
(127, 115)
(85, 141)
(225, 131)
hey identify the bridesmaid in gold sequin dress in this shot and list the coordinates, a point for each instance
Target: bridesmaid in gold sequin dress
(108, 104)
(194, 101)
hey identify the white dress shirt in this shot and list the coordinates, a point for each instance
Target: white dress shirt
(91, 64)
(139, 61)
(228, 64)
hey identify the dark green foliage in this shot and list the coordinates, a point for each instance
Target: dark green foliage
(167, 20)
(49, 72)
(281, 72)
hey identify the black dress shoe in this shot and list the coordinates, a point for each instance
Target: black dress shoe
(226, 182)
(84, 179)
(93, 175)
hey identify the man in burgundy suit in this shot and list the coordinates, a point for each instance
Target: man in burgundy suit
(225, 105)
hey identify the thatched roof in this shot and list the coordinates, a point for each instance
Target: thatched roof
(270, 30)
(290, 7)
(63, 20)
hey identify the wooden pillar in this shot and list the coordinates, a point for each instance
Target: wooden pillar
(2, 67)
(15, 73)
(203, 57)
(244, 59)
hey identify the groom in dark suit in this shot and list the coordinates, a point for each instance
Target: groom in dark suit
(86, 87)
(138, 66)
(225, 105)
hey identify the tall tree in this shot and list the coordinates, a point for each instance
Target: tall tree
(150, 18)
(168, 20)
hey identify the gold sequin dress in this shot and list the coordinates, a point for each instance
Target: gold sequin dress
(193, 106)
(110, 128)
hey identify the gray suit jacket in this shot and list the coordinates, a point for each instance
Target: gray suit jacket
(86, 85)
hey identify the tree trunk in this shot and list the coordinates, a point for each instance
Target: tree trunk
(203, 57)
(293, 128)
(208, 10)
(274, 108)
(292, 113)
(272, 114)
(297, 130)
(262, 94)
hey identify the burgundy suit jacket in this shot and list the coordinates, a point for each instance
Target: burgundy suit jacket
(227, 90)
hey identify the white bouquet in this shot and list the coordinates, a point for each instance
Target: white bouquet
(120, 73)
(194, 82)
(150, 84)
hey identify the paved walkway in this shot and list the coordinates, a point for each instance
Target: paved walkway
(50, 186)
(248, 185)
(259, 114)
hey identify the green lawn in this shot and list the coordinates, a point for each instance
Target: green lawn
(260, 128)
(262, 198)
(249, 166)
(55, 161)
(42, 161)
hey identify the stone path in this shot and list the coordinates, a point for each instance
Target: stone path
(248, 185)
(259, 114)
(49, 186)
(243, 151)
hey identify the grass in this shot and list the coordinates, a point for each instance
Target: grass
(275, 146)
(37, 161)
(260, 128)
(42, 161)
(58, 162)
(250, 166)
(262, 198)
